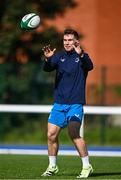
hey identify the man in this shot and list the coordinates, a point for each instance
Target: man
(72, 66)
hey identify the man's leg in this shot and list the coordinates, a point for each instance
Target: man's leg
(53, 132)
(73, 130)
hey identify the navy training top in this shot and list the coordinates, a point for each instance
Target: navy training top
(71, 73)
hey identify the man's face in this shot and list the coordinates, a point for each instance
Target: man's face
(68, 41)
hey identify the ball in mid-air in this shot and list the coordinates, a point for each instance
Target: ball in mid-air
(30, 21)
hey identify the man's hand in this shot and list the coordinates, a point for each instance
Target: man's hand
(48, 52)
(77, 48)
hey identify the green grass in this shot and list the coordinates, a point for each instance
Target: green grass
(32, 166)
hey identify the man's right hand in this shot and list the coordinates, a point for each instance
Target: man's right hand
(48, 52)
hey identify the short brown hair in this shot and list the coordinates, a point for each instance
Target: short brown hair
(71, 31)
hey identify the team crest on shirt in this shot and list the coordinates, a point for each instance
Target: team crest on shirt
(77, 60)
(62, 59)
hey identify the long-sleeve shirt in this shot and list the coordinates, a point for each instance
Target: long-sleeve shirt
(71, 74)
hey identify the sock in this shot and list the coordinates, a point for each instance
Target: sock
(85, 161)
(52, 160)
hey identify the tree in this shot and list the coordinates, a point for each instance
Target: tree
(20, 51)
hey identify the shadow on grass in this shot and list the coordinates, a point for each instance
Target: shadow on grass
(92, 175)
(105, 174)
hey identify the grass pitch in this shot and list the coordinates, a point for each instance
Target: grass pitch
(32, 166)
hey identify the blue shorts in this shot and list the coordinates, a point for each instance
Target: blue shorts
(62, 114)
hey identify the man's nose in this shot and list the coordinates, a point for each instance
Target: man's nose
(67, 42)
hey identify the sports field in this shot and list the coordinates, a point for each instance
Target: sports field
(31, 167)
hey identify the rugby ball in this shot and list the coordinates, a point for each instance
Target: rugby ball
(30, 21)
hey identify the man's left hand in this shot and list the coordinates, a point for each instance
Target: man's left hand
(77, 47)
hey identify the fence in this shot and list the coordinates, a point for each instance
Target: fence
(46, 109)
(98, 110)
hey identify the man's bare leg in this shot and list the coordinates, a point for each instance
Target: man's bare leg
(74, 130)
(53, 145)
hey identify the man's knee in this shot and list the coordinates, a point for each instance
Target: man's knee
(52, 136)
(74, 135)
